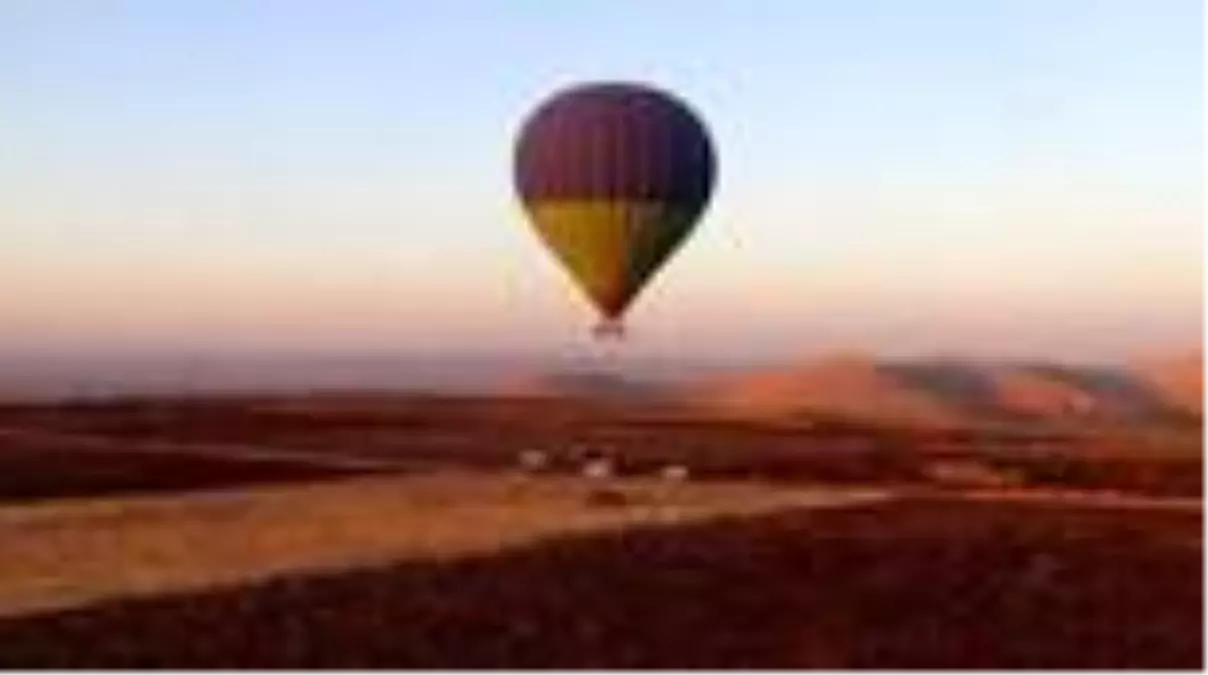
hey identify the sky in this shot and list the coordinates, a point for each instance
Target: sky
(983, 177)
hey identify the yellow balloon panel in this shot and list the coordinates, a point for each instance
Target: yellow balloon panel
(611, 248)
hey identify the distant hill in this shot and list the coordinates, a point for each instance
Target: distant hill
(955, 392)
(854, 387)
(1178, 381)
(1034, 393)
(582, 384)
(850, 386)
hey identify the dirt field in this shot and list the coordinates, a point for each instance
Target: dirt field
(912, 584)
(63, 554)
(333, 433)
(396, 532)
(43, 470)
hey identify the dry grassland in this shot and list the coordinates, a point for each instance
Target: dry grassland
(70, 552)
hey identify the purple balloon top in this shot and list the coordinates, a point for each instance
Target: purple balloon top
(615, 142)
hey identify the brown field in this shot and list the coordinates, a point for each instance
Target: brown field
(388, 530)
(46, 470)
(915, 584)
(75, 552)
(397, 432)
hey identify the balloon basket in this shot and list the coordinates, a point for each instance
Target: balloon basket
(609, 330)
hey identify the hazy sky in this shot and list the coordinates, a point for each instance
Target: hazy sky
(962, 176)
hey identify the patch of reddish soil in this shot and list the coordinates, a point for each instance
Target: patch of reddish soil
(37, 473)
(925, 583)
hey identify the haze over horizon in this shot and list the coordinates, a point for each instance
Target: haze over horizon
(988, 179)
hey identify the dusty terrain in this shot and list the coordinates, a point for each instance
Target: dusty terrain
(909, 585)
(392, 530)
(82, 551)
(237, 438)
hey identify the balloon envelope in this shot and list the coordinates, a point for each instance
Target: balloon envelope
(614, 178)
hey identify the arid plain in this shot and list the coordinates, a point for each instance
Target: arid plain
(844, 513)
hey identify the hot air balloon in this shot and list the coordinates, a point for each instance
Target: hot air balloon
(614, 177)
